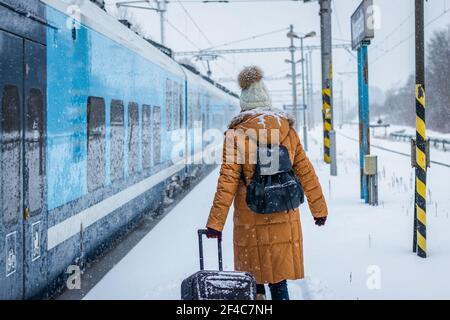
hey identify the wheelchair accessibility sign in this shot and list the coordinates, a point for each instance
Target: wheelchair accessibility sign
(11, 253)
(35, 241)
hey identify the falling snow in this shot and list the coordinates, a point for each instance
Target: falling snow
(339, 258)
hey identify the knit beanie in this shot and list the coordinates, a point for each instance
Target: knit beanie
(254, 91)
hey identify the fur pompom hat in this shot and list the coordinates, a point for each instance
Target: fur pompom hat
(254, 91)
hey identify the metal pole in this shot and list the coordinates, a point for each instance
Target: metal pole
(308, 93)
(421, 139)
(342, 104)
(311, 90)
(305, 131)
(364, 134)
(360, 122)
(366, 115)
(326, 91)
(162, 11)
(294, 76)
(327, 83)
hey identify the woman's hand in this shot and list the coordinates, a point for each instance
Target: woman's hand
(320, 221)
(213, 234)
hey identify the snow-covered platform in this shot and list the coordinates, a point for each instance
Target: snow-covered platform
(362, 253)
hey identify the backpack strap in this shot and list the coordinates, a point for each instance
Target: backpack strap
(243, 176)
(257, 167)
(258, 163)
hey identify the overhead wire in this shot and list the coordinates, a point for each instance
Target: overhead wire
(402, 41)
(182, 33)
(394, 30)
(337, 18)
(247, 39)
(195, 23)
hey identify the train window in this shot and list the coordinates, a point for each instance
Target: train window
(204, 128)
(146, 136)
(133, 138)
(117, 140)
(96, 143)
(168, 105)
(10, 155)
(190, 116)
(198, 110)
(35, 153)
(181, 104)
(190, 110)
(206, 118)
(176, 107)
(156, 135)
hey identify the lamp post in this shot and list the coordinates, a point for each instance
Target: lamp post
(305, 131)
(291, 35)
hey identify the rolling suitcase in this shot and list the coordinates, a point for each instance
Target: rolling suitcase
(218, 285)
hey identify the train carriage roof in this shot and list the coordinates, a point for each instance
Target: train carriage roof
(97, 19)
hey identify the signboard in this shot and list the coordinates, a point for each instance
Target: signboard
(35, 241)
(362, 22)
(11, 253)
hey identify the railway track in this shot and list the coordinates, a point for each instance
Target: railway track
(394, 151)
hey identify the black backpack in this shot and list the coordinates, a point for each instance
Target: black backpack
(274, 187)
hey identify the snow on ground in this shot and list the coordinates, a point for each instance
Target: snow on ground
(358, 243)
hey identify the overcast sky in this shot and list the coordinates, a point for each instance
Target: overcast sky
(391, 54)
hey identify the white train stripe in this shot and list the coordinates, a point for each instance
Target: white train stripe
(71, 226)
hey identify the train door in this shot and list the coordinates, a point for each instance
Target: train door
(22, 167)
(11, 183)
(34, 168)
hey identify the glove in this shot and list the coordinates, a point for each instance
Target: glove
(213, 234)
(320, 221)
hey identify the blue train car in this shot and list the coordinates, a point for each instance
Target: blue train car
(91, 114)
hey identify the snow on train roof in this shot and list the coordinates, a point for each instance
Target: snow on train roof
(97, 19)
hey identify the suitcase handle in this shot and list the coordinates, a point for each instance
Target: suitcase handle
(201, 233)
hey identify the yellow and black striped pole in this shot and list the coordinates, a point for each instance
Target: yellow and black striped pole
(421, 138)
(326, 97)
(421, 171)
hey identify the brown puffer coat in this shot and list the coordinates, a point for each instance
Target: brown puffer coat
(269, 246)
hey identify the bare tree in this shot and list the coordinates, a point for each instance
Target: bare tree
(399, 107)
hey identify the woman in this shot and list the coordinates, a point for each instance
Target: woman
(267, 245)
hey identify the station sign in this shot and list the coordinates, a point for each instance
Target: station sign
(362, 23)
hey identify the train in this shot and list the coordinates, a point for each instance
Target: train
(89, 112)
